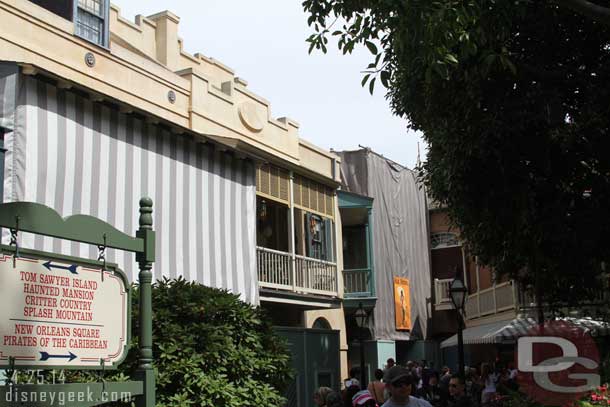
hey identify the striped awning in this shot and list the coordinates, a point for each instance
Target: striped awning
(8, 94)
(509, 331)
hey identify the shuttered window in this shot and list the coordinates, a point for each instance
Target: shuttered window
(274, 182)
(313, 196)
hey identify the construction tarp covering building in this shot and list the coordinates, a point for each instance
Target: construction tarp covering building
(400, 237)
(78, 156)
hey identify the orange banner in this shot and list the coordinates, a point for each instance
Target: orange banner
(402, 304)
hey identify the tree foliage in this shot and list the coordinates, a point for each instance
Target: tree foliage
(210, 349)
(512, 99)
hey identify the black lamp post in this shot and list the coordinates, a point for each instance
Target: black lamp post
(361, 318)
(457, 292)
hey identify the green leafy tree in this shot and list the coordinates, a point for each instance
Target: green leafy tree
(210, 349)
(512, 99)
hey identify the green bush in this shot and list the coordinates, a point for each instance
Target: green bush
(210, 349)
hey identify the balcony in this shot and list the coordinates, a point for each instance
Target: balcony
(308, 276)
(441, 294)
(493, 300)
(358, 283)
(358, 273)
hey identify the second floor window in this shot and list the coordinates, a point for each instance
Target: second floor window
(91, 20)
(319, 237)
(90, 17)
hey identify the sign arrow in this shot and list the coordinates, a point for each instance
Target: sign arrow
(49, 266)
(45, 356)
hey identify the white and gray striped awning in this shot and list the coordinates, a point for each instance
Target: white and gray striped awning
(509, 331)
(8, 94)
(81, 157)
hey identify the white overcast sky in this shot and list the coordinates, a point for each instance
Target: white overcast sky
(264, 43)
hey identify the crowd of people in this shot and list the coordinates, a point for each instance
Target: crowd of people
(418, 385)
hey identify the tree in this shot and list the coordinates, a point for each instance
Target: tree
(512, 99)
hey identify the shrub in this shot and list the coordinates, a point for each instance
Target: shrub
(210, 349)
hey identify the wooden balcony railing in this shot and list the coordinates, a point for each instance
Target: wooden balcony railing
(442, 300)
(316, 276)
(498, 298)
(275, 270)
(358, 283)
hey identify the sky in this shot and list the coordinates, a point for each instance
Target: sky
(264, 43)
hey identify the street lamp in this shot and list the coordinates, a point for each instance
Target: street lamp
(457, 292)
(361, 318)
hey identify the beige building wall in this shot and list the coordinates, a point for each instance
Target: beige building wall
(146, 70)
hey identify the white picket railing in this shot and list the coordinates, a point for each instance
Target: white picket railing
(498, 298)
(441, 291)
(316, 276)
(275, 270)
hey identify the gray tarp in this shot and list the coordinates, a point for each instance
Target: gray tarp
(9, 74)
(400, 236)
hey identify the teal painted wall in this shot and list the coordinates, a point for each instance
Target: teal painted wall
(370, 357)
(315, 359)
(421, 350)
(376, 353)
(385, 350)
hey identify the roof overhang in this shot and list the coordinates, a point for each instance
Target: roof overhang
(264, 157)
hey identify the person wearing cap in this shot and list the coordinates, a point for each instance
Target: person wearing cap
(399, 382)
(363, 399)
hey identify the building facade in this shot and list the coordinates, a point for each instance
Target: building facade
(497, 311)
(97, 111)
(398, 261)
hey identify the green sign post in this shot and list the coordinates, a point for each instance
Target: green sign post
(71, 313)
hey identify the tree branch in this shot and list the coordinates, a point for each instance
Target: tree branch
(586, 8)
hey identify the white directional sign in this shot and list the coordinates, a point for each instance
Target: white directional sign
(58, 314)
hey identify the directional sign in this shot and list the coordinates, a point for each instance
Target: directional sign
(55, 314)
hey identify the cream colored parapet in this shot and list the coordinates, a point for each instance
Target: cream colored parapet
(147, 69)
(34, 36)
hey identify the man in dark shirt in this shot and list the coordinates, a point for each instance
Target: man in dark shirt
(457, 392)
